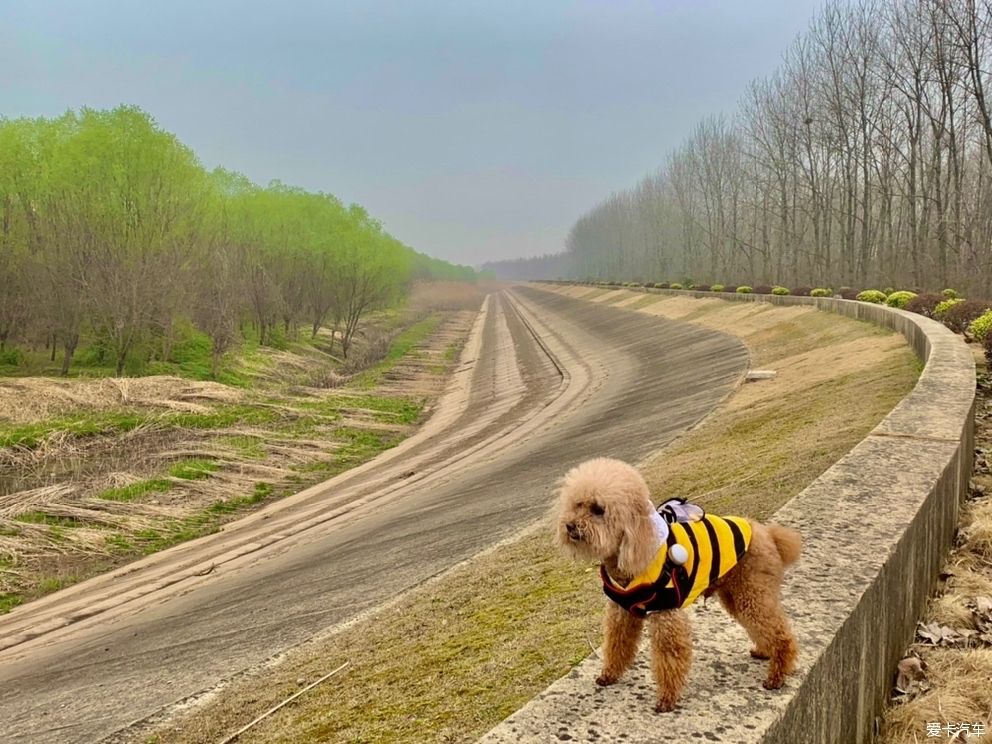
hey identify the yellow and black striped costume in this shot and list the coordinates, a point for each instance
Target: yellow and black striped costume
(714, 545)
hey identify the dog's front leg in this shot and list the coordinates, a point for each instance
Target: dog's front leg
(671, 655)
(621, 637)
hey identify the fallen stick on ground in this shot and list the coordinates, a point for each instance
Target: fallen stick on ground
(290, 699)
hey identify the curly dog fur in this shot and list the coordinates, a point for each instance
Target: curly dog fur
(603, 514)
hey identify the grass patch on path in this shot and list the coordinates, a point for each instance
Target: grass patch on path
(458, 655)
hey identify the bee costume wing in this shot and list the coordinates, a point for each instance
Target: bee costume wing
(679, 510)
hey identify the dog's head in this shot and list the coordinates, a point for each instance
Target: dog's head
(603, 514)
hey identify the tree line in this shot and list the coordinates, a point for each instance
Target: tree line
(111, 229)
(864, 159)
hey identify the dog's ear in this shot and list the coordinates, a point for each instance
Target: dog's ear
(638, 545)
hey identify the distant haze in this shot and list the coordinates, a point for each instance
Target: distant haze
(474, 130)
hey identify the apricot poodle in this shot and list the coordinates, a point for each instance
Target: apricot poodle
(653, 563)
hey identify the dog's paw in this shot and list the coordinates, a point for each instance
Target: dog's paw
(773, 683)
(758, 654)
(605, 680)
(665, 706)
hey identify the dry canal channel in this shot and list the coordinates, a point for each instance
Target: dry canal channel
(545, 382)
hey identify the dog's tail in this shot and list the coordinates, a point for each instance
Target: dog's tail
(788, 542)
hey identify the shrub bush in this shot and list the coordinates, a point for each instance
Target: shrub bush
(987, 345)
(675, 285)
(924, 304)
(980, 326)
(664, 285)
(821, 292)
(762, 289)
(702, 287)
(718, 288)
(744, 290)
(802, 291)
(780, 291)
(899, 299)
(960, 315)
(871, 295)
(277, 338)
(11, 356)
(944, 305)
(951, 294)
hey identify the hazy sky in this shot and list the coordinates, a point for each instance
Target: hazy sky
(474, 130)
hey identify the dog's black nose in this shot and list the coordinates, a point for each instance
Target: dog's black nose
(573, 531)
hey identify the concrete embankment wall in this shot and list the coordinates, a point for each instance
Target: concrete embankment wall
(877, 527)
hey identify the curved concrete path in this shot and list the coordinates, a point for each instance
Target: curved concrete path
(545, 381)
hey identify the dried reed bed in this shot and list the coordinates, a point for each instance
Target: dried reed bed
(430, 296)
(28, 399)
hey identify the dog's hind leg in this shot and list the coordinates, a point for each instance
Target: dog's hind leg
(621, 637)
(758, 651)
(753, 600)
(671, 655)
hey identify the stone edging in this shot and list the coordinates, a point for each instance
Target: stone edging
(877, 527)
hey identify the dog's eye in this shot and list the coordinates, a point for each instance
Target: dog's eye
(597, 510)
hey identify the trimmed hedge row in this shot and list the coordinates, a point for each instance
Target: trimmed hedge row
(973, 318)
(889, 296)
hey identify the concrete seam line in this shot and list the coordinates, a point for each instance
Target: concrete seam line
(515, 305)
(911, 436)
(877, 526)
